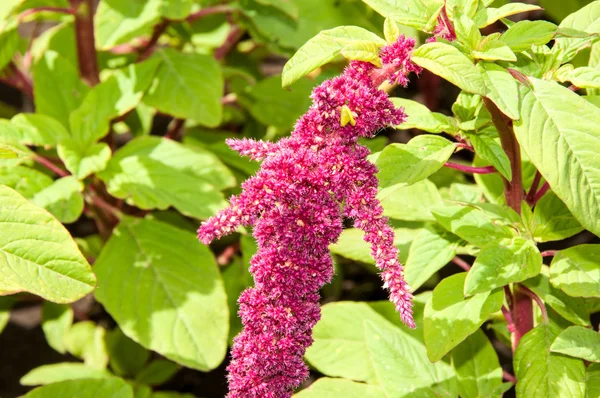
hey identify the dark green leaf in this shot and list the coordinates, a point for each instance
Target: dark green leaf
(157, 372)
(127, 357)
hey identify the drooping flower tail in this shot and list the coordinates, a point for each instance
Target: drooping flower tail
(294, 203)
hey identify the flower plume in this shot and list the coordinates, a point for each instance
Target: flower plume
(294, 203)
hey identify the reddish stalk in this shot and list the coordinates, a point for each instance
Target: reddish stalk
(19, 80)
(538, 301)
(534, 186)
(174, 132)
(508, 377)
(159, 29)
(466, 146)
(234, 35)
(86, 43)
(461, 263)
(50, 166)
(32, 11)
(471, 169)
(522, 314)
(549, 253)
(541, 192)
(218, 9)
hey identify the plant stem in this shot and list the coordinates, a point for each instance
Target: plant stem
(541, 192)
(513, 190)
(522, 314)
(32, 11)
(534, 186)
(538, 301)
(234, 35)
(549, 253)
(159, 29)
(173, 132)
(86, 43)
(50, 166)
(461, 263)
(471, 169)
(508, 377)
(218, 9)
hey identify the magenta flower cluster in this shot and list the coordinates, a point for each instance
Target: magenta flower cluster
(296, 203)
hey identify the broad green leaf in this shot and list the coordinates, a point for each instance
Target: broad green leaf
(468, 7)
(558, 9)
(502, 88)
(572, 309)
(24, 180)
(410, 203)
(593, 381)
(106, 388)
(502, 262)
(405, 164)
(176, 9)
(87, 341)
(187, 86)
(418, 116)
(84, 162)
(586, 19)
(117, 95)
(401, 367)
(466, 106)
(489, 149)
(157, 372)
(153, 172)
(188, 318)
(118, 22)
(6, 304)
(59, 38)
(477, 224)
(38, 129)
(552, 219)
(418, 14)
(466, 31)
(58, 89)
(494, 50)
(56, 322)
(450, 317)
(431, 249)
(488, 16)
(274, 106)
(544, 374)
(9, 42)
(448, 62)
(391, 30)
(578, 342)
(63, 199)
(585, 77)
(126, 357)
(39, 255)
(524, 34)
(48, 374)
(322, 49)
(327, 387)
(477, 368)
(367, 51)
(576, 271)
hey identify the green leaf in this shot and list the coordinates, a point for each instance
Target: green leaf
(58, 372)
(274, 106)
(105, 388)
(39, 255)
(477, 367)
(391, 30)
(178, 91)
(554, 114)
(114, 97)
(544, 374)
(488, 16)
(126, 356)
(466, 31)
(576, 271)
(367, 51)
(6, 304)
(552, 220)
(448, 62)
(450, 317)
(37, 129)
(24, 180)
(502, 88)
(9, 43)
(155, 173)
(420, 117)
(593, 381)
(327, 387)
(489, 149)
(118, 22)
(431, 249)
(477, 224)
(156, 263)
(63, 199)
(585, 77)
(572, 309)
(494, 50)
(86, 340)
(58, 89)
(56, 322)
(82, 163)
(578, 342)
(418, 14)
(524, 34)
(405, 164)
(586, 19)
(323, 48)
(502, 262)
(157, 372)
(410, 203)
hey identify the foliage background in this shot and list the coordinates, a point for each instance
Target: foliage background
(196, 80)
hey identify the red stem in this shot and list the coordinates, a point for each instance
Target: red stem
(31, 11)
(534, 186)
(471, 169)
(549, 253)
(541, 192)
(19, 80)
(173, 132)
(522, 313)
(159, 29)
(234, 35)
(50, 166)
(218, 9)
(86, 43)
(508, 377)
(538, 301)
(461, 263)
